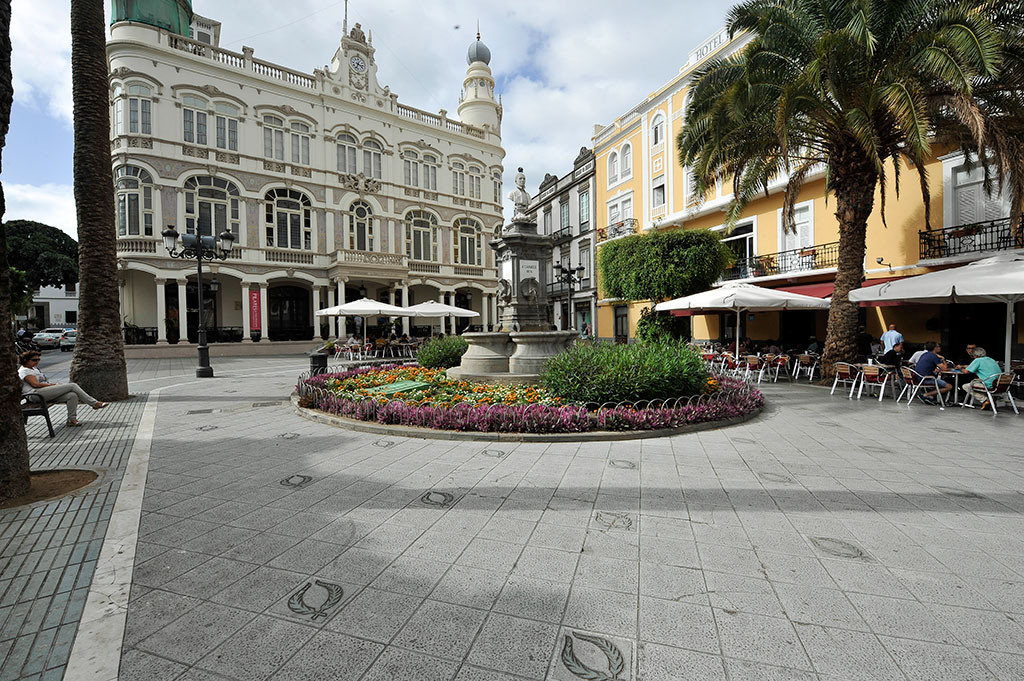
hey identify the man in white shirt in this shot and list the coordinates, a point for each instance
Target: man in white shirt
(891, 338)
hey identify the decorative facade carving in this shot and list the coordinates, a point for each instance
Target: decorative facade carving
(302, 172)
(195, 152)
(140, 142)
(223, 157)
(273, 166)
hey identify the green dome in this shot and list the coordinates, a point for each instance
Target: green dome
(172, 15)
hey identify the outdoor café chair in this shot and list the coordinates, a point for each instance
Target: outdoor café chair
(912, 384)
(780, 364)
(1000, 388)
(806, 364)
(876, 376)
(847, 374)
(752, 364)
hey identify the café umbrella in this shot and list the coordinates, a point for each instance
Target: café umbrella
(999, 279)
(432, 308)
(364, 307)
(740, 298)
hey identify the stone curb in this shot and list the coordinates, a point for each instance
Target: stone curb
(431, 434)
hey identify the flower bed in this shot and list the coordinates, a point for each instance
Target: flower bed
(462, 406)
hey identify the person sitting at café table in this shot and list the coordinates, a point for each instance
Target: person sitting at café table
(893, 358)
(986, 370)
(964, 360)
(929, 364)
(813, 347)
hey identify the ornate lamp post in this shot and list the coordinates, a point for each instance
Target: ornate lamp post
(201, 248)
(569, 276)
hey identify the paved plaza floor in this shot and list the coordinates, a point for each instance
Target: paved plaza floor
(826, 539)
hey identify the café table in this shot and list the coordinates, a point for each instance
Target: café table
(953, 376)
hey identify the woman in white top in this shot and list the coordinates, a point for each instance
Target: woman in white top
(33, 381)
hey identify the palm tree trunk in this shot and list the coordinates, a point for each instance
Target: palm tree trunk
(98, 364)
(14, 478)
(853, 180)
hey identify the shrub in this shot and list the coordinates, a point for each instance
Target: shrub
(603, 372)
(443, 352)
(660, 327)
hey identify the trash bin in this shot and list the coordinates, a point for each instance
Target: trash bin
(317, 363)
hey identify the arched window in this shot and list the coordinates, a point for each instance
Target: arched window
(430, 164)
(421, 235)
(360, 223)
(273, 137)
(657, 130)
(227, 125)
(300, 143)
(372, 159)
(134, 188)
(193, 111)
(211, 206)
(346, 154)
(289, 219)
(468, 233)
(458, 179)
(626, 161)
(496, 182)
(139, 105)
(613, 167)
(411, 165)
(475, 175)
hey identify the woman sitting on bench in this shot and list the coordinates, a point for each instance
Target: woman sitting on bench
(33, 381)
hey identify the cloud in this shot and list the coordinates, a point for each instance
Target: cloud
(51, 204)
(41, 56)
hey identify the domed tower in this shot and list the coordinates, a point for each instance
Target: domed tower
(478, 106)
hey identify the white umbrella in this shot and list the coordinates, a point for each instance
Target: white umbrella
(743, 298)
(364, 307)
(996, 279)
(432, 308)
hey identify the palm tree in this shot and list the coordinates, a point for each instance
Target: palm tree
(14, 479)
(98, 364)
(851, 86)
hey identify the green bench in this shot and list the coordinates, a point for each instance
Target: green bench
(398, 387)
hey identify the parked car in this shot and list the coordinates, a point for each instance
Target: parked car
(67, 342)
(50, 338)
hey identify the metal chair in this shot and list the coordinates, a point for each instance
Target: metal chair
(752, 364)
(913, 382)
(876, 376)
(1000, 388)
(847, 374)
(807, 363)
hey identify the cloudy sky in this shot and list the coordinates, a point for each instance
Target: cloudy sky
(561, 68)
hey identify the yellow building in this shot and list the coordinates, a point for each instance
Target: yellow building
(641, 186)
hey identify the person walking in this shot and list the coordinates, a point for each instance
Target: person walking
(891, 338)
(33, 381)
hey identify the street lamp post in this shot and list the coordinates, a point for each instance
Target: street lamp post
(201, 248)
(569, 276)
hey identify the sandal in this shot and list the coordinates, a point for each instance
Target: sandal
(73, 423)
(100, 405)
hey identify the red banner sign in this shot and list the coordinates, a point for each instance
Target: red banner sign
(255, 323)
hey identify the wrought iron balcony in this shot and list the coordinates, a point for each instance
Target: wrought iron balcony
(561, 234)
(557, 288)
(978, 237)
(617, 229)
(794, 260)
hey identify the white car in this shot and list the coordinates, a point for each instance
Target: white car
(67, 342)
(49, 338)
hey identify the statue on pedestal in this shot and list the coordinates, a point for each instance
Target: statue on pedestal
(520, 198)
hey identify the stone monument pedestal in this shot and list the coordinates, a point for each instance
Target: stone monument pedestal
(509, 358)
(534, 348)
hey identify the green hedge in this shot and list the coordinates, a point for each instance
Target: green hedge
(603, 372)
(662, 265)
(443, 352)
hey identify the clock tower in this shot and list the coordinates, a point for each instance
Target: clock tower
(478, 105)
(353, 65)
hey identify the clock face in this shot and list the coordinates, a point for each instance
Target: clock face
(358, 64)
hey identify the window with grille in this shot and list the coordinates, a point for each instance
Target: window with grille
(289, 219)
(211, 206)
(134, 189)
(421, 235)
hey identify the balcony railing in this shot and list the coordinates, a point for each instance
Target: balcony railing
(562, 234)
(557, 287)
(978, 237)
(617, 229)
(794, 260)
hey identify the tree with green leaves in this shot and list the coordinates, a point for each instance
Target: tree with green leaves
(14, 471)
(98, 364)
(662, 265)
(48, 256)
(858, 87)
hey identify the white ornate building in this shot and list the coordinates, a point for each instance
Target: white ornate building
(332, 188)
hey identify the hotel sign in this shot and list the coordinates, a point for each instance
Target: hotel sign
(708, 46)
